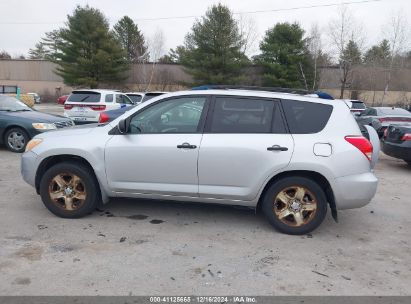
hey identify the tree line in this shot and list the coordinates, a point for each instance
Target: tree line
(89, 53)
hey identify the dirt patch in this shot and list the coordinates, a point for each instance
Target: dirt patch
(32, 253)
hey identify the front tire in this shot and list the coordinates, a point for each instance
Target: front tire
(70, 190)
(16, 140)
(295, 205)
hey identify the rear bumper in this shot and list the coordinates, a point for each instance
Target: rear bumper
(354, 191)
(400, 150)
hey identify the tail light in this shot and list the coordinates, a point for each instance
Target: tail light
(362, 144)
(68, 106)
(407, 136)
(383, 119)
(103, 118)
(98, 108)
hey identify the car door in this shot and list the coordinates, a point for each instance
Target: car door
(244, 143)
(159, 153)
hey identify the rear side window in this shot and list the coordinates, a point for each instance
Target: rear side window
(242, 115)
(109, 98)
(306, 117)
(84, 97)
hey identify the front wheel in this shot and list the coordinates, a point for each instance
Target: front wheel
(295, 205)
(16, 140)
(69, 190)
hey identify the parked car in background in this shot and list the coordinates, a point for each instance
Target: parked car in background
(62, 99)
(139, 97)
(36, 97)
(381, 117)
(19, 123)
(288, 154)
(85, 106)
(108, 116)
(356, 106)
(396, 141)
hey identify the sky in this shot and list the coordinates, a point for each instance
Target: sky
(24, 22)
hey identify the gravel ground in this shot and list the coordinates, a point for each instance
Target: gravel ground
(140, 247)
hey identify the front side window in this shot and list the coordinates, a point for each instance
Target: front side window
(242, 115)
(181, 115)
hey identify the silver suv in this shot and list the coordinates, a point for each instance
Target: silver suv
(290, 155)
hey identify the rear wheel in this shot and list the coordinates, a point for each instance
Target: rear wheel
(295, 205)
(69, 190)
(16, 140)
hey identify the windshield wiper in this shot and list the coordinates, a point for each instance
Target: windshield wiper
(21, 110)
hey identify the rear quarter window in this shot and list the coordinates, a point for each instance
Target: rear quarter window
(306, 117)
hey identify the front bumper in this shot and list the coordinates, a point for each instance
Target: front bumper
(400, 150)
(354, 191)
(29, 167)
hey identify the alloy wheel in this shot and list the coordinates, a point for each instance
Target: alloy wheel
(16, 140)
(67, 191)
(295, 206)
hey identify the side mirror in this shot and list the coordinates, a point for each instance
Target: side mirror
(123, 126)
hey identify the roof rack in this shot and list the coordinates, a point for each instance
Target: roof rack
(320, 94)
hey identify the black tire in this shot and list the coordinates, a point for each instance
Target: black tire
(287, 225)
(88, 183)
(16, 133)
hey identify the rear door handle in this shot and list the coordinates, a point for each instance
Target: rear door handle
(186, 146)
(277, 148)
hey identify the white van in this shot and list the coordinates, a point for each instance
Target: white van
(85, 106)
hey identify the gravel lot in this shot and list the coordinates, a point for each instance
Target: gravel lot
(149, 247)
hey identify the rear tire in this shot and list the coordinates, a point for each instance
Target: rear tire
(70, 190)
(16, 140)
(295, 205)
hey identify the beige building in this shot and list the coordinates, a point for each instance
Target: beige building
(367, 83)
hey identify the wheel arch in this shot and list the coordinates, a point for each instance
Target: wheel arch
(320, 179)
(50, 161)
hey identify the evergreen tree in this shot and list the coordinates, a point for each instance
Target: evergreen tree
(86, 51)
(378, 54)
(285, 58)
(212, 52)
(38, 52)
(131, 39)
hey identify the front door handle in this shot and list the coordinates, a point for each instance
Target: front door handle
(186, 146)
(277, 148)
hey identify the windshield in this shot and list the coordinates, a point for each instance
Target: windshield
(84, 96)
(8, 103)
(135, 98)
(357, 105)
(148, 96)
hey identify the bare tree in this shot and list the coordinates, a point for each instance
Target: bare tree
(248, 30)
(314, 47)
(156, 47)
(396, 33)
(342, 30)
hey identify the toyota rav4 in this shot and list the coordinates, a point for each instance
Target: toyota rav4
(291, 155)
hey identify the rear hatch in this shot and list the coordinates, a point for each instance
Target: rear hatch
(84, 104)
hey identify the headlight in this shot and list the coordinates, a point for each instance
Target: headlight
(33, 143)
(43, 126)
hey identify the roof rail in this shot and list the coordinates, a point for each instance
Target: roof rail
(320, 94)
